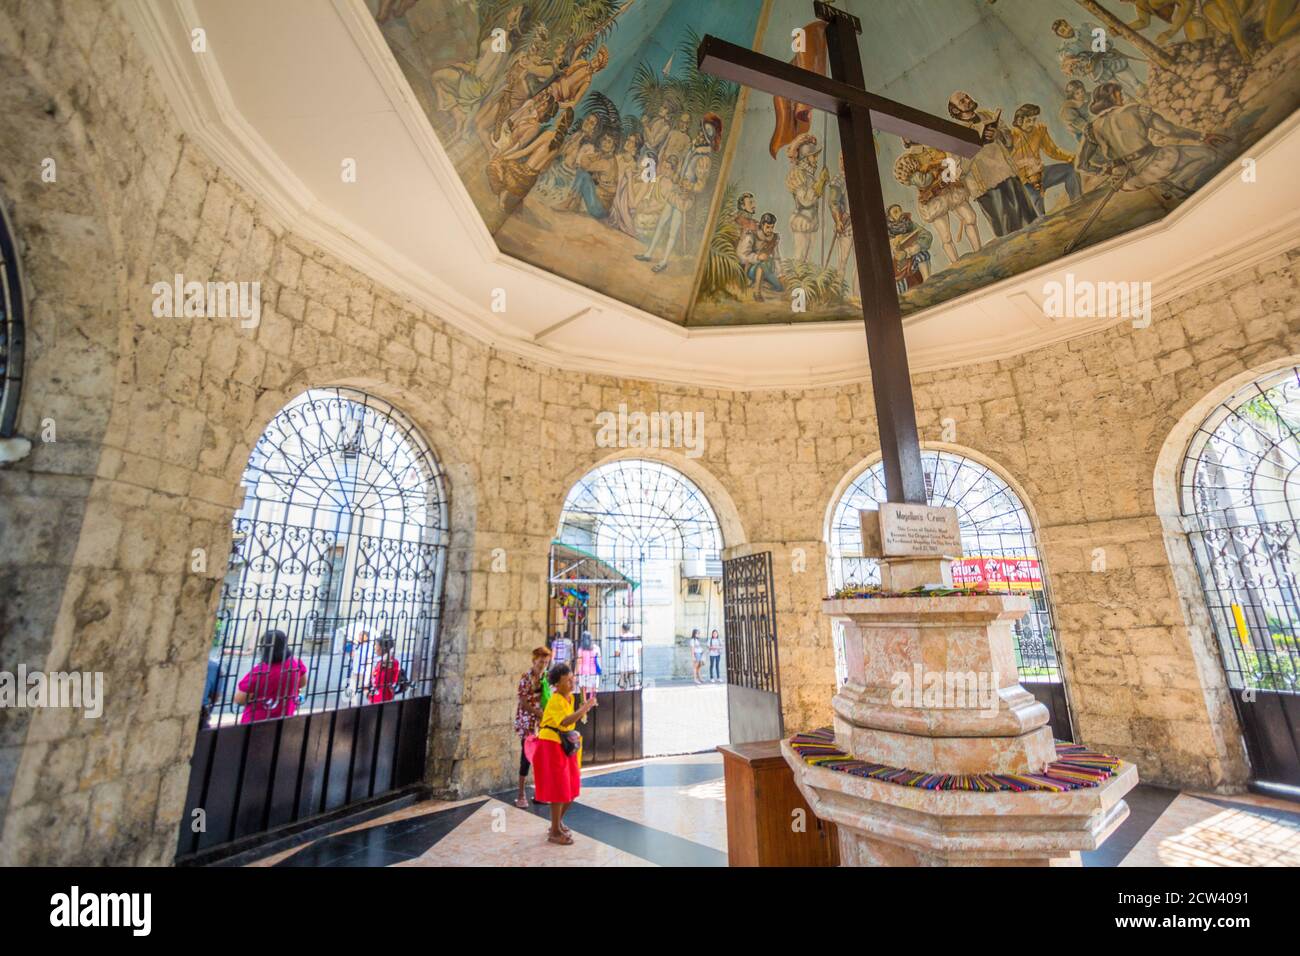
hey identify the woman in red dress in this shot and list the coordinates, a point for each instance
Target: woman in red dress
(387, 674)
(557, 759)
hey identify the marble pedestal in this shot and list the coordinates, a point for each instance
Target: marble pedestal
(933, 687)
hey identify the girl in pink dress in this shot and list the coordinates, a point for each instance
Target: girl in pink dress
(588, 664)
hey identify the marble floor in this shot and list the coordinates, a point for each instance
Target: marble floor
(671, 811)
(683, 717)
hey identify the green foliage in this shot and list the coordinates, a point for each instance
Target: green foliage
(603, 106)
(1265, 671)
(648, 90)
(823, 285)
(723, 276)
(703, 93)
(1265, 410)
(567, 19)
(1261, 410)
(685, 87)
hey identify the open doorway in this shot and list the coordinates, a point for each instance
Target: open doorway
(637, 578)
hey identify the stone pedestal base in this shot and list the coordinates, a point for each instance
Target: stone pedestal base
(933, 688)
(885, 824)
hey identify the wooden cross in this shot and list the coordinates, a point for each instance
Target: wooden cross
(860, 113)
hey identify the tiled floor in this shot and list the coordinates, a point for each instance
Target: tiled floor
(671, 811)
(1209, 830)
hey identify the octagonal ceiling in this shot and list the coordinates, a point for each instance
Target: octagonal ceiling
(287, 95)
(594, 149)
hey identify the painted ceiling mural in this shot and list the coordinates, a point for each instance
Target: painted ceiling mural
(593, 148)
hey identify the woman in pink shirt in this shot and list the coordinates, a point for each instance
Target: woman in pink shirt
(588, 665)
(270, 690)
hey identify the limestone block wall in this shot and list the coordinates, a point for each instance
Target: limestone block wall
(156, 418)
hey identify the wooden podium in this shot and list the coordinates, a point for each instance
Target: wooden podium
(761, 823)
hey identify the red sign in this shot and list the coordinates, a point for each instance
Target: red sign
(1000, 574)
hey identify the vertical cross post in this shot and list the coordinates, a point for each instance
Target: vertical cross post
(891, 382)
(859, 113)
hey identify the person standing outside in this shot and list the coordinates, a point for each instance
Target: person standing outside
(270, 690)
(211, 689)
(387, 674)
(697, 655)
(528, 714)
(629, 664)
(343, 638)
(558, 754)
(562, 649)
(588, 667)
(715, 657)
(363, 655)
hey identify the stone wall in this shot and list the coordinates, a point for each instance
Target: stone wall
(156, 418)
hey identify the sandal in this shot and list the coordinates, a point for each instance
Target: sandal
(562, 840)
(522, 803)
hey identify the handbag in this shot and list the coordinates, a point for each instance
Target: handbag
(569, 741)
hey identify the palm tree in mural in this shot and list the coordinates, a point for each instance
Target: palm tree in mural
(682, 87)
(584, 22)
(610, 118)
(822, 284)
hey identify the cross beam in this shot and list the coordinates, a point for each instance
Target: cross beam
(770, 75)
(858, 113)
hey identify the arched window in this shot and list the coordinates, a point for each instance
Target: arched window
(341, 545)
(998, 539)
(638, 509)
(1240, 496)
(11, 328)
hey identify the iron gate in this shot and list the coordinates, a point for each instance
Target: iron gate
(11, 327)
(1260, 664)
(321, 673)
(753, 668)
(1240, 504)
(594, 602)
